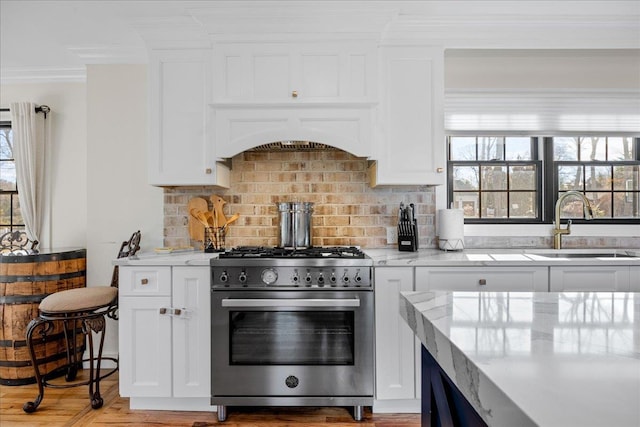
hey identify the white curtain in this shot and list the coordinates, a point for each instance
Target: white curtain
(28, 150)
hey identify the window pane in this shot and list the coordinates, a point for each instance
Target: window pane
(569, 178)
(494, 205)
(463, 148)
(597, 178)
(468, 202)
(465, 178)
(626, 177)
(626, 204)
(523, 204)
(620, 148)
(491, 148)
(5, 209)
(601, 204)
(6, 143)
(7, 176)
(593, 148)
(522, 177)
(518, 148)
(494, 177)
(565, 149)
(17, 212)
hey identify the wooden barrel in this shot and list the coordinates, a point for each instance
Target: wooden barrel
(24, 281)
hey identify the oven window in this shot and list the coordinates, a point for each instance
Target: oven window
(291, 337)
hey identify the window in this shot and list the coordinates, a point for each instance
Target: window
(516, 179)
(605, 169)
(495, 177)
(10, 216)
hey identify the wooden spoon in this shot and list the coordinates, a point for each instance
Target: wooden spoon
(231, 219)
(196, 232)
(218, 212)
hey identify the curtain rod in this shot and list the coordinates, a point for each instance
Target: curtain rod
(44, 109)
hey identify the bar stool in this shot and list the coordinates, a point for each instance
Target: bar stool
(81, 309)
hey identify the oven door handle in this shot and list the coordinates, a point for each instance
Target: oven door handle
(293, 302)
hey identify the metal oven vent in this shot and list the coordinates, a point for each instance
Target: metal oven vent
(293, 146)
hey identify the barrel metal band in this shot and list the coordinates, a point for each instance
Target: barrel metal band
(42, 278)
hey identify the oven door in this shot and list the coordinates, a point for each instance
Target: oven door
(292, 343)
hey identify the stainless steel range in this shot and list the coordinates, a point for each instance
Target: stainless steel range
(292, 328)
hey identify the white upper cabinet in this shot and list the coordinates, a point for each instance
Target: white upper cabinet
(323, 72)
(411, 149)
(321, 92)
(181, 151)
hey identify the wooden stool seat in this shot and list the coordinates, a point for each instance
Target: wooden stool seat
(84, 310)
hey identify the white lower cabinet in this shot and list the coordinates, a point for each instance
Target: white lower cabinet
(396, 384)
(491, 279)
(164, 337)
(596, 278)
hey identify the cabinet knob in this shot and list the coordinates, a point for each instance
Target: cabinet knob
(294, 94)
(144, 281)
(163, 310)
(208, 171)
(482, 282)
(440, 170)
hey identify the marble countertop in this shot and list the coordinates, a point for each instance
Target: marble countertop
(425, 257)
(536, 359)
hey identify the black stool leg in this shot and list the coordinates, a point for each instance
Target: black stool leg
(98, 326)
(29, 407)
(70, 334)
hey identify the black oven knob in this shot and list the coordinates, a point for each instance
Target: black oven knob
(307, 279)
(320, 279)
(224, 277)
(242, 277)
(333, 279)
(358, 278)
(292, 381)
(345, 279)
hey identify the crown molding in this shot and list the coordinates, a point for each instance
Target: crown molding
(43, 75)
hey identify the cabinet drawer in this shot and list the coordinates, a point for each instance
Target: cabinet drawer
(155, 281)
(499, 279)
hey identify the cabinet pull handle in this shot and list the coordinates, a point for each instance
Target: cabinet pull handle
(440, 170)
(208, 171)
(482, 282)
(294, 94)
(144, 281)
(163, 310)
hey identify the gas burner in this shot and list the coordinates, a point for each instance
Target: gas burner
(279, 252)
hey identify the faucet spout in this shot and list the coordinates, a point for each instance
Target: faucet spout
(558, 231)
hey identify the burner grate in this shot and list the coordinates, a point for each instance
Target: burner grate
(279, 252)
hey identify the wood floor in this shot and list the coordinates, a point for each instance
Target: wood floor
(70, 407)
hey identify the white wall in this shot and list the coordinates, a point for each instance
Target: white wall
(68, 150)
(119, 200)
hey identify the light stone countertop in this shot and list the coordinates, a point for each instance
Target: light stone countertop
(536, 359)
(423, 257)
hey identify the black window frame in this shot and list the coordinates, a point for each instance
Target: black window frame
(13, 193)
(547, 176)
(535, 160)
(552, 180)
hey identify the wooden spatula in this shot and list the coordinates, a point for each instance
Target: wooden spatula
(196, 229)
(218, 203)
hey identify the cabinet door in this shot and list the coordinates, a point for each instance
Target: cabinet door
(180, 147)
(145, 347)
(412, 144)
(294, 72)
(589, 278)
(191, 332)
(495, 279)
(144, 281)
(395, 370)
(634, 279)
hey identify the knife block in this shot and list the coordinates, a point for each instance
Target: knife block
(408, 236)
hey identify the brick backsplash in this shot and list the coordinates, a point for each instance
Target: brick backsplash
(347, 211)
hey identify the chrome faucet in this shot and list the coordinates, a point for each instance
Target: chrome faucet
(558, 231)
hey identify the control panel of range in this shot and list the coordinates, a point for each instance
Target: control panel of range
(298, 277)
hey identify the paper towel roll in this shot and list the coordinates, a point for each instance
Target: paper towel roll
(451, 226)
